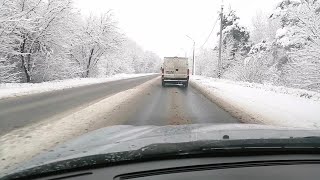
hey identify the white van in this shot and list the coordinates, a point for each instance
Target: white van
(175, 70)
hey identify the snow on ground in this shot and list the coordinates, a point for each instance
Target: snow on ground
(263, 104)
(19, 89)
(41, 136)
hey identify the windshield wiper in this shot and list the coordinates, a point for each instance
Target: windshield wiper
(210, 148)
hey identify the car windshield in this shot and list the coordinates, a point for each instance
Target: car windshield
(95, 76)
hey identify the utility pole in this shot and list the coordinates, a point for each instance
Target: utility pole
(193, 63)
(220, 42)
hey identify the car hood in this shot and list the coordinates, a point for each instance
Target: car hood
(128, 138)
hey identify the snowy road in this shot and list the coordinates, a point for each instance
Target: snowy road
(158, 106)
(21, 111)
(174, 105)
(48, 119)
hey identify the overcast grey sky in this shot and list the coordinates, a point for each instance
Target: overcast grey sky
(162, 25)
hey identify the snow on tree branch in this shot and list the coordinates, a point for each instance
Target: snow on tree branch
(43, 40)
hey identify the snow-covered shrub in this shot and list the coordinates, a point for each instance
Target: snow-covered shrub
(206, 62)
(262, 65)
(257, 69)
(7, 72)
(54, 68)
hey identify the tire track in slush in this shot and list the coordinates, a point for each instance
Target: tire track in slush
(172, 105)
(177, 115)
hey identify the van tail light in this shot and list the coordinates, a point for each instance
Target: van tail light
(162, 70)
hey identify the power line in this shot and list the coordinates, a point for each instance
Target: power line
(220, 42)
(210, 32)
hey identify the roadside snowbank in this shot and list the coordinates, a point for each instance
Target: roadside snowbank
(19, 89)
(263, 104)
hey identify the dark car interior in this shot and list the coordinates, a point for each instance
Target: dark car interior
(262, 167)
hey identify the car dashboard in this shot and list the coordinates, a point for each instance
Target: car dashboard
(263, 167)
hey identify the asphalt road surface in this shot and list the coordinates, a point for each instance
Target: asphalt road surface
(175, 105)
(171, 105)
(21, 111)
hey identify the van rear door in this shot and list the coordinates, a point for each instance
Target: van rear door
(181, 68)
(176, 68)
(169, 68)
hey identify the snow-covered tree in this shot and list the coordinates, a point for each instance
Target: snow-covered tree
(129, 58)
(264, 28)
(33, 30)
(15, 19)
(97, 37)
(235, 44)
(152, 62)
(43, 40)
(234, 34)
(300, 36)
